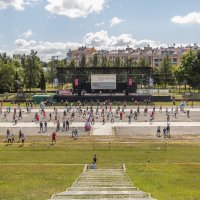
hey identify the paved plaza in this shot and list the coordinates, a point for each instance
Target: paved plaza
(141, 126)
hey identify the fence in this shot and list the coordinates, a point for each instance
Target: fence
(87, 146)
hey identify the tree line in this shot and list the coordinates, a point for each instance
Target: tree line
(28, 71)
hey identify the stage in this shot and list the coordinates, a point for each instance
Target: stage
(111, 97)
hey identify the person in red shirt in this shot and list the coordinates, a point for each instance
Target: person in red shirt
(53, 138)
(44, 114)
(121, 115)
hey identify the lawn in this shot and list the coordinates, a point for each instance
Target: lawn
(167, 181)
(168, 172)
(31, 182)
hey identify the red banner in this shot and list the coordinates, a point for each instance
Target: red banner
(130, 82)
(76, 82)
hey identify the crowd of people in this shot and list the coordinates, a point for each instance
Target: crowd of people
(10, 137)
(103, 112)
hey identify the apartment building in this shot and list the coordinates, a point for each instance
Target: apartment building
(77, 54)
(154, 56)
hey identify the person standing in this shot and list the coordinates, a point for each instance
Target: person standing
(8, 136)
(64, 126)
(67, 125)
(23, 139)
(93, 120)
(103, 120)
(158, 131)
(95, 159)
(41, 127)
(73, 132)
(49, 116)
(20, 135)
(20, 114)
(168, 131)
(12, 137)
(164, 132)
(45, 126)
(129, 118)
(53, 138)
(112, 118)
(188, 113)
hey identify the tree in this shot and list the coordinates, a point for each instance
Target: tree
(4, 58)
(7, 76)
(32, 70)
(95, 60)
(42, 81)
(190, 63)
(83, 61)
(178, 73)
(117, 61)
(104, 61)
(127, 62)
(19, 75)
(72, 63)
(165, 70)
(142, 62)
(11, 73)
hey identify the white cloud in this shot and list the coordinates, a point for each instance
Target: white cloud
(96, 39)
(24, 43)
(122, 40)
(190, 18)
(75, 8)
(27, 34)
(17, 4)
(99, 40)
(99, 24)
(45, 49)
(115, 20)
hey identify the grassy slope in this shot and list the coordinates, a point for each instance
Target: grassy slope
(167, 181)
(35, 182)
(178, 180)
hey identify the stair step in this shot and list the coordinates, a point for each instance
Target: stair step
(102, 184)
(102, 189)
(105, 196)
(145, 198)
(102, 193)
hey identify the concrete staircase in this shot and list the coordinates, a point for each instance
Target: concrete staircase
(102, 184)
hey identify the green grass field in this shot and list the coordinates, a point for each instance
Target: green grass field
(167, 171)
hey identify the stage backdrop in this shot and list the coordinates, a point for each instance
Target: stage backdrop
(103, 81)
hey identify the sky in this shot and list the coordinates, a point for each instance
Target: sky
(52, 27)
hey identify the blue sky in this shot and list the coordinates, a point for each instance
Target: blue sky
(54, 26)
